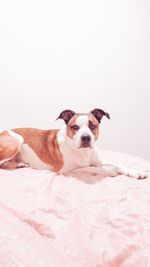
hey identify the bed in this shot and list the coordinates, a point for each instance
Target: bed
(49, 220)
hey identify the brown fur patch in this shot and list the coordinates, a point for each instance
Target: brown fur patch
(45, 145)
(71, 132)
(95, 122)
(9, 146)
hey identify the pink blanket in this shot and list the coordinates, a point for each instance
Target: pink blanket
(48, 220)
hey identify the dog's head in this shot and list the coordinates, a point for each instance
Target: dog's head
(83, 128)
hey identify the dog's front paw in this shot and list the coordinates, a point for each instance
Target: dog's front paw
(138, 175)
(131, 173)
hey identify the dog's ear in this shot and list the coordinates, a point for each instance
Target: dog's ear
(99, 113)
(66, 115)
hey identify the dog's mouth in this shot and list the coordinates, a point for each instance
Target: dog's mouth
(85, 145)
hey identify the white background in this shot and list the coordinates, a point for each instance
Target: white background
(57, 54)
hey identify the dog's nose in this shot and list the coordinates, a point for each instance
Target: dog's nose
(86, 138)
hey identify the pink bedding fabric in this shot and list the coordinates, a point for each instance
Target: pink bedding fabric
(49, 220)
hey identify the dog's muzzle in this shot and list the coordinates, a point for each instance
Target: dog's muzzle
(85, 140)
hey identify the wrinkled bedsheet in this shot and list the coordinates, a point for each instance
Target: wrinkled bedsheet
(49, 220)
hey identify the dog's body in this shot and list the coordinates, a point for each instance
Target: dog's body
(69, 149)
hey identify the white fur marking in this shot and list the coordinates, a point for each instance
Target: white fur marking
(17, 136)
(61, 135)
(82, 120)
(30, 157)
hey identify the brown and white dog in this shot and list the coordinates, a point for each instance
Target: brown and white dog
(71, 148)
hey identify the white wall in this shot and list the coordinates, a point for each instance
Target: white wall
(79, 54)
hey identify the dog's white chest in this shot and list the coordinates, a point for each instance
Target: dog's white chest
(29, 157)
(73, 160)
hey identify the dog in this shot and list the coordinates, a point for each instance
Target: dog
(68, 149)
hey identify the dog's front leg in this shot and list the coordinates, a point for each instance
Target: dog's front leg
(96, 170)
(116, 169)
(122, 170)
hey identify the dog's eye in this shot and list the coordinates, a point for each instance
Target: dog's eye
(75, 127)
(92, 126)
